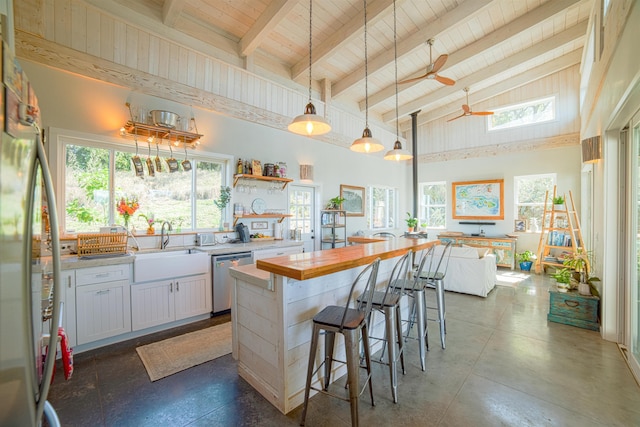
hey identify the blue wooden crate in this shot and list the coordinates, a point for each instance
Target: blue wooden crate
(571, 308)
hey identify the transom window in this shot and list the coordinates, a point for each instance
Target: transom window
(97, 176)
(433, 204)
(533, 112)
(383, 207)
(530, 191)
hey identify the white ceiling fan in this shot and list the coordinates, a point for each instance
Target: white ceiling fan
(433, 68)
(466, 110)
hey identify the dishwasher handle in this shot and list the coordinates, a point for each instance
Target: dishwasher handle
(231, 257)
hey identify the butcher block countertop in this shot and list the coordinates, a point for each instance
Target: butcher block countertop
(319, 263)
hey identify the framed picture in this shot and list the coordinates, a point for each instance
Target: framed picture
(259, 225)
(353, 200)
(478, 199)
(520, 225)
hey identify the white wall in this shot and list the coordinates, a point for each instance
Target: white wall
(563, 161)
(80, 104)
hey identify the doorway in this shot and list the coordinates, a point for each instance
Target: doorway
(632, 248)
(302, 207)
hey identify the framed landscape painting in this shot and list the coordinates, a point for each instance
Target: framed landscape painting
(478, 199)
(353, 200)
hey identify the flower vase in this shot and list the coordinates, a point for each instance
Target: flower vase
(410, 229)
(151, 230)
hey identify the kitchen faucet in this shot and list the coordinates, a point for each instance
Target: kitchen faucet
(164, 242)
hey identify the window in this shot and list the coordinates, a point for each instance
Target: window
(97, 175)
(533, 112)
(433, 204)
(530, 191)
(383, 208)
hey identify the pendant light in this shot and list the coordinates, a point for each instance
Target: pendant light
(366, 144)
(398, 153)
(309, 123)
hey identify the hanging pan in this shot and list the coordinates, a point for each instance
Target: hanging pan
(186, 164)
(158, 161)
(172, 163)
(137, 163)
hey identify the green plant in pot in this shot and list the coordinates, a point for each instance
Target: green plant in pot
(579, 262)
(335, 203)
(411, 222)
(526, 260)
(558, 202)
(563, 278)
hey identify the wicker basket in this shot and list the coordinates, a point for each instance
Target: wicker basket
(102, 244)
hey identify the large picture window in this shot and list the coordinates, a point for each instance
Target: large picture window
(97, 175)
(433, 204)
(530, 191)
(383, 207)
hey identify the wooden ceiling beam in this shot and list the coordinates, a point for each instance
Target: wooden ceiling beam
(464, 12)
(377, 10)
(491, 40)
(267, 21)
(171, 10)
(572, 34)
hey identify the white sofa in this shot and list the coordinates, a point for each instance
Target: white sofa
(471, 270)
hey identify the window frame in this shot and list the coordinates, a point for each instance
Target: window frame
(553, 98)
(57, 139)
(390, 213)
(423, 208)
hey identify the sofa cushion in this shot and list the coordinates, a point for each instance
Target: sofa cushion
(464, 252)
(481, 251)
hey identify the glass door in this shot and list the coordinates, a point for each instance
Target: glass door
(302, 207)
(634, 248)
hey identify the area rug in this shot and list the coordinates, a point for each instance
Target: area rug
(164, 358)
(510, 278)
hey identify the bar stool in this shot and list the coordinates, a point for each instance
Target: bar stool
(387, 302)
(434, 279)
(348, 322)
(414, 289)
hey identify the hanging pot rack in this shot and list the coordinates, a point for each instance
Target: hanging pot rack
(159, 132)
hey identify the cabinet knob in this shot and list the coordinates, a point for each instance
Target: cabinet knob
(171, 287)
(177, 286)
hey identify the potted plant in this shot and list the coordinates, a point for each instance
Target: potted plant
(558, 203)
(150, 220)
(563, 278)
(335, 203)
(579, 262)
(411, 222)
(526, 260)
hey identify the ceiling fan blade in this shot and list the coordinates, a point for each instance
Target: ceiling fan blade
(445, 80)
(482, 113)
(415, 79)
(457, 117)
(439, 63)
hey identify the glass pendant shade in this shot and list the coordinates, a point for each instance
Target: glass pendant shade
(367, 144)
(398, 153)
(309, 123)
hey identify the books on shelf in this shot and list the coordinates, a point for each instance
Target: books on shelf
(557, 238)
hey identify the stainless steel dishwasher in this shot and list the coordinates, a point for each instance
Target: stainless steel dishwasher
(222, 280)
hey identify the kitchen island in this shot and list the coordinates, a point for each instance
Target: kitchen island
(273, 304)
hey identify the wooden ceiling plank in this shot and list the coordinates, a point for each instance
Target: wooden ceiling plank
(491, 40)
(465, 11)
(270, 19)
(171, 10)
(536, 73)
(567, 36)
(377, 10)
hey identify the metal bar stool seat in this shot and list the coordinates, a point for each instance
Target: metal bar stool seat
(350, 322)
(388, 303)
(434, 279)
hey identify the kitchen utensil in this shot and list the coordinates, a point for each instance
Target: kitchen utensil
(150, 162)
(158, 161)
(186, 164)
(165, 119)
(137, 163)
(172, 163)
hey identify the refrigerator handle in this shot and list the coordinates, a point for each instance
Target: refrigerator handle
(50, 359)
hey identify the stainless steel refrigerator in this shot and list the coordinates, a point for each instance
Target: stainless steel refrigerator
(30, 308)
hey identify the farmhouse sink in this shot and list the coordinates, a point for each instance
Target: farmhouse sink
(168, 264)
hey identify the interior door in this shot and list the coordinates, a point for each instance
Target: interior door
(302, 207)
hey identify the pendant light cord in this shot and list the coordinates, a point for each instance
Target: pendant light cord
(395, 61)
(310, 38)
(366, 70)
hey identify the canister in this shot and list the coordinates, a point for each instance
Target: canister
(268, 169)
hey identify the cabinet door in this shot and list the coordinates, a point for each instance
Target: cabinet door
(103, 310)
(68, 284)
(152, 304)
(192, 296)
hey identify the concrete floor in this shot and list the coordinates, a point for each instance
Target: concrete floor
(504, 365)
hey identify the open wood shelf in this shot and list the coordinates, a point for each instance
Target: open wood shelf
(159, 132)
(280, 217)
(247, 177)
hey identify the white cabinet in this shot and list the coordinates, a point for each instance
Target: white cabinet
(274, 252)
(103, 302)
(159, 302)
(68, 285)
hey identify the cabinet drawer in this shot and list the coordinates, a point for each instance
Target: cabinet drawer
(107, 273)
(574, 309)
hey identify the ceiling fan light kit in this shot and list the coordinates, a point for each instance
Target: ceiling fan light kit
(309, 123)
